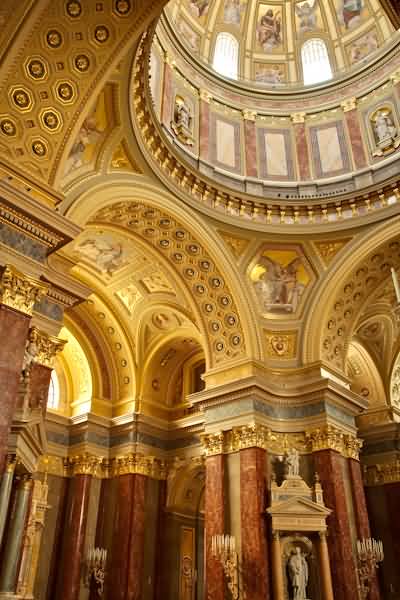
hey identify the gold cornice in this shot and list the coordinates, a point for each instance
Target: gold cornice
(47, 346)
(19, 291)
(83, 464)
(381, 474)
(259, 436)
(138, 464)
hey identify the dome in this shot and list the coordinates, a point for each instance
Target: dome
(281, 43)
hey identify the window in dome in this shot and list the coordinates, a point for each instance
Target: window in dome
(315, 61)
(53, 399)
(226, 55)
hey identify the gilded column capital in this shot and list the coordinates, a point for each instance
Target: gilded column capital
(380, 474)
(19, 291)
(395, 77)
(249, 115)
(47, 347)
(248, 436)
(138, 464)
(11, 463)
(349, 104)
(82, 464)
(299, 117)
(213, 443)
(205, 95)
(332, 438)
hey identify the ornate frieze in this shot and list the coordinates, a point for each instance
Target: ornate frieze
(20, 292)
(138, 464)
(331, 438)
(83, 464)
(47, 347)
(381, 474)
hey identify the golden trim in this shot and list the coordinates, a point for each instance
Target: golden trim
(331, 438)
(84, 464)
(138, 464)
(382, 474)
(20, 292)
(47, 346)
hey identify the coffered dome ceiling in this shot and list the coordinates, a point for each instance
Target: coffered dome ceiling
(271, 34)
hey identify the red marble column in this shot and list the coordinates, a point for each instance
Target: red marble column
(136, 541)
(329, 466)
(160, 548)
(253, 524)
(14, 327)
(39, 382)
(361, 514)
(250, 147)
(204, 129)
(69, 570)
(214, 524)
(354, 129)
(56, 556)
(303, 157)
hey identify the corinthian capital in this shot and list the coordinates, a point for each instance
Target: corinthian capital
(19, 291)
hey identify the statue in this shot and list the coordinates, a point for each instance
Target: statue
(182, 124)
(384, 126)
(298, 574)
(31, 351)
(292, 463)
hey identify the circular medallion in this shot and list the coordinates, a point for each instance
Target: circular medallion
(219, 346)
(36, 69)
(54, 38)
(8, 127)
(74, 9)
(39, 148)
(82, 63)
(122, 7)
(51, 120)
(65, 92)
(21, 98)
(101, 34)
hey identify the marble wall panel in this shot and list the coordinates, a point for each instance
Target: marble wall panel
(275, 154)
(225, 140)
(329, 149)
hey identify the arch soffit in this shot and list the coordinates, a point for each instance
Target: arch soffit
(222, 304)
(366, 379)
(345, 291)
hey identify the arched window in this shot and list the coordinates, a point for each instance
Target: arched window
(53, 399)
(315, 61)
(226, 55)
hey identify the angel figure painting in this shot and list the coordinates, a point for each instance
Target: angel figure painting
(269, 29)
(280, 279)
(307, 15)
(105, 251)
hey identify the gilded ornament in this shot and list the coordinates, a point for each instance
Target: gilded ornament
(230, 320)
(235, 340)
(82, 464)
(219, 346)
(39, 148)
(101, 34)
(122, 7)
(22, 99)
(74, 9)
(54, 38)
(382, 474)
(138, 464)
(46, 347)
(51, 120)
(8, 127)
(82, 63)
(213, 443)
(332, 438)
(65, 91)
(19, 291)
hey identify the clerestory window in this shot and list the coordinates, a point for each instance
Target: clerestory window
(315, 61)
(226, 55)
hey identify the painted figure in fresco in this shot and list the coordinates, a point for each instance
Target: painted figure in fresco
(270, 74)
(107, 257)
(298, 574)
(307, 15)
(199, 7)
(278, 286)
(384, 126)
(362, 47)
(88, 134)
(351, 12)
(269, 30)
(232, 12)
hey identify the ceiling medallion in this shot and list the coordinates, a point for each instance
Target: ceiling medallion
(74, 9)
(51, 120)
(8, 127)
(101, 34)
(39, 148)
(22, 99)
(36, 69)
(82, 63)
(122, 7)
(65, 92)
(54, 38)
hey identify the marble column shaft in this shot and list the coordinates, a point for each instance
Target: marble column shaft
(15, 537)
(250, 148)
(136, 541)
(361, 515)
(357, 146)
(253, 523)
(325, 568)
(39, 382)
(329, 465)
(69, 570)
(214, 523)
(166, 109)
(14, 328)
(302, 151)
(277, 568)
(5, 495)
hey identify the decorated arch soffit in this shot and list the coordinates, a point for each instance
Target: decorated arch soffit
(59, 62)
(178, 241)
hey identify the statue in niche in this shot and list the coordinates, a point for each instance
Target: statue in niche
(292, 460)
(385, 132)
(298, 574)
(182, 124)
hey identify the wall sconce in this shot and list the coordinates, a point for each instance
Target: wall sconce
(369, 555)
(96, 569)
(223, 549)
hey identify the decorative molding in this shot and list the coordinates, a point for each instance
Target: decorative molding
(20, 292)
(349, 104)
(382, 474)
(331, 438)
(138, 464)
(47, 347)
(83, 464)
(281, 344)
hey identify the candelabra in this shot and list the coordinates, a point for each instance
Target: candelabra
(223, 549)
(369, 555)
(96, 569)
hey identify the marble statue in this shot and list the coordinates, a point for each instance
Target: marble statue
(292, 463)
(384, 126)
(298, 574)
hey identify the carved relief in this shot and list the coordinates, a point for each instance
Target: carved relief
(281, 344)
(182, 124)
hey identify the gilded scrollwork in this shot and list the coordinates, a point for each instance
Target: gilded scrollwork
(19, 291)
